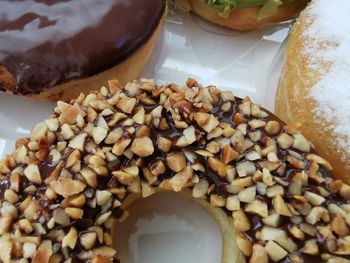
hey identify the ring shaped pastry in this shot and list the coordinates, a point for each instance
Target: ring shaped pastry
(63, 187)
(54, 50)
(314, 85)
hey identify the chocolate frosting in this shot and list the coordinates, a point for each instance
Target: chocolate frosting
(44, 43)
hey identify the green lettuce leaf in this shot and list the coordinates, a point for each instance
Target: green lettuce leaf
(270, 8)
(225, 7)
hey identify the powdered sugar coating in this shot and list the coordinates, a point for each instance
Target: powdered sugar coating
(328, 53)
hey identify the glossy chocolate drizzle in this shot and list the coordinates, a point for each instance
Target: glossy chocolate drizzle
(44, 43)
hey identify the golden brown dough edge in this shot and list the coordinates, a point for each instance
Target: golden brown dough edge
(294, 104)
(128, 70)
(245, 19)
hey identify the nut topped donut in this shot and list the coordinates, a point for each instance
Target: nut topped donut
(51, 50)
(63, 187)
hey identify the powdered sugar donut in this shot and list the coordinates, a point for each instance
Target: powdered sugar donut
(314, 88)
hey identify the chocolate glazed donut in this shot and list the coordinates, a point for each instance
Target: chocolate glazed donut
(46, 44)
(272, 195)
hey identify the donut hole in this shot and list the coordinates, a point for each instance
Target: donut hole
(167, 227)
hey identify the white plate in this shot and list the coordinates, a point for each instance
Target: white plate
(166, 227)
(247, 63)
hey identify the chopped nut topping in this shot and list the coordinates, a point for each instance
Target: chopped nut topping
(217, 201)
(32, 173)
(319, 160)
(126, 104)
(142, 146)
(245, 168)
(285, 141)
(70, 239)
(73, 158)
(99, 134)
(339, 226)
(179, 180)
(233, 203)
(89, 176)
(190, 135)
(257, 207)
(229, 154)
(272, 220)
(247, 195)
(88, 240)
(29, 250)
(74, 213)
(310, 247)
(11, 196)
(317, 213)
(211, 123)
(67, 187)
(163, 144)
(176, 161)
(259, 254)
(201, 118)
(200, 189)
(119, 148)
(139, 117)
(280, 206)
(78, 142)
(273, 127)
(314, 199)
(274, 251)
(157, 168)
(147, 189)
(297, 233)
(63, 186)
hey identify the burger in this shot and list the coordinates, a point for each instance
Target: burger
(244, 15)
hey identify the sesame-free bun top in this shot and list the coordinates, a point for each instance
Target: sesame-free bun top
(244, 18)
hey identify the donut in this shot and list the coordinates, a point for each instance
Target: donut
(314, 86)
(244, 15)
(272, 195)
(54, 50)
